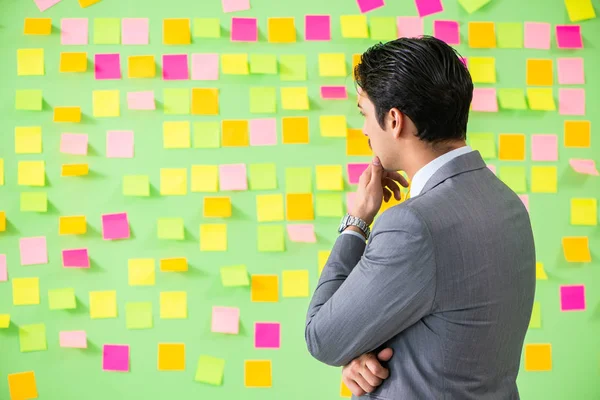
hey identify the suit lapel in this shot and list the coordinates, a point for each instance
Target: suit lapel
(461, 164)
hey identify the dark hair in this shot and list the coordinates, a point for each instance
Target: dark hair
(422, 77)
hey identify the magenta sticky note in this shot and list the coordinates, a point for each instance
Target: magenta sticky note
(205, 67)
(586, 167)
(492, 168)
(134, 31)
(74, 31)
(464, 60)
(484, 100)
(572, 298)
(244, 30)
(175, 67)
(525, 200)
(235, 5)
(410, 27)
(119, 144)
(225, 320)
(3, 268)
(350, 200)
(141, 100)
(74, 143)
(428, 7)
(569, 37)
(537, 35)
(73, 339)
(267, 335)
(544, 148)
(263, 132)
(107, 66)
(368, 5)
(354, 172)
(571, 101)
(76, 258)
(448, 31)
(233, 177)
(334, 93)
(571, 71)
(33, 250)
(115, 226)
(317, 27)
(302, 233)
(43, 5)
(115, 357)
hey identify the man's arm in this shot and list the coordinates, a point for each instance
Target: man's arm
(362, 302)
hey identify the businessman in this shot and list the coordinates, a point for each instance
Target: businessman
(436, 304)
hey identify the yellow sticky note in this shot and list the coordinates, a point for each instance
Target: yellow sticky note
(173, 305)
(235, 133)
(323, 256)
(205, 178)
(295, 130)
(332, 64)
(333, 126)
(217, 207)
(171, 356)
(294, 98)
(30, 62)
(541, 99)
(482, 69)
(176, 135)
(258, 373)
(213, 237)
(72, 225)
(544, 179)
(173, 181)
(67, 114)
(482, 35)
(4, 321)
(540, 273)
(2, 221)
(1, 171)
(103, 304)
(354, 26)
(576, 249)
(74, 169)
(37, 26)
(141, 271)
(234, 64)
(87, 3)
(345, 391)
(32, 173)
(580, 10)
(26, 291)
(281, 30)
(179, 264)
(141, 67)
(205, 101)
(22, 386)
(577, 134)
(357, 144)
(538, 357)
(269, 207)
(512, 147)
(584, 212)
(106, 103)
(73, 62)
(28, 139)
(539, 72)
(295, 283)
(300, 207)
(265, 288)
(329, 177)
(176, 31)
(356, 59)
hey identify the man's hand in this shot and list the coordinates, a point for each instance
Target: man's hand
(365, 373)
(374, 186)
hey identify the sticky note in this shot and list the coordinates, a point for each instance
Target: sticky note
(317, 27)
(292, 67)
(115, 226)
(107, 66)
(329, 205)
(569, 37)
(176, 134)
(73, 339)
(544, 179)
(345, 392)
(471, 6)
(323, 256)
(22, 385)
(298, 180)
(67, 114)
(587, 167)
(175, 67)
(570, 71)
(1, 171)
(115, 357)
(119, 144)
(138, 315)
(213, 237)
(74, 170)
(134, 31)
(170, 228)
(234, 133)
(28, 139)
(332, 64)
(225, 320)
(369, 5)
(37, 26)
(30, 62)
(572, 298)
(295, 130)
(263, 64)
(577, 134)
(410, 26)
(106, 103)
(76, 258)
(571, 101)
(448, 31)
(537, 35)
(428, 7)
(87, 3)
(244, 29)
(205, 101)
(26, 291)
(204, 178)
(43, 5)
(74, 31)
(295, 283)
(513, 177)
(205, 67)
(265, 288)
(217, 207)
(271, 238)
(235, 5)
(207, 28)
(263, 132)
(334, 93)
(173, 305)
(107, 31)
(4, 321)
(176, 101)
(173, 181)
(510, 35)
(357, 144)
(535, 321)
(333, 126)
(31, 173)
(281, 30)
(141, 271)
(258, 373)
(28, 100)
(329, 177)
(544, 147)
(267, 335)
(62, 299)
(141, 67)
(234, 64)
(176, 31)
(294, 98)
(482, 35)
(2, 220)
(235, 276)
(539, 72)
(541, 99)
(33, 250)
(483, 69)
(356, 170)
(103, 304)
(32, 337)
(269, 207)
(72, 225)
(575, 249)
(383, 28)
(512, 99)
(232, 177)
(262, 176)
(512, 147)
(540, 273)
(207, 135)
(538, 357)
(176, 264)
(301, 233)
(299, 207)
(580, 10)
(210, 370)
(354, 26)
(141, 100)
(3, 268)
(584, 211)
(171, 356)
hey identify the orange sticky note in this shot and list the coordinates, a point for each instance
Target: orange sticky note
(74, 170)
(37, 26)
(356, 58)
(22, 386)
(235, 133)
(576, 249)
(265, 288)
(299, 207)
(357, 144)
(482, 35)
(281, 30)
(67, 114)
(171, 356)
(577, 134)
(176, 31)
(72, 225)
(538, 357)
(257, 373)
(295, 130)
(87, 3)
(217, 207)
(73, 62)
(344, 391)
(141, 67)
(512, 147)
(178, 264)
(539, 72)
(205, 101)
(2, 221)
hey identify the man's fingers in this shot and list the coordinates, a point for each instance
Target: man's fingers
(365, 177)
(353, 386)
(385, 354)
(377, 370)
(376, 170)
(393, 186)
(362, 382)
(396, 177)
(387, 195)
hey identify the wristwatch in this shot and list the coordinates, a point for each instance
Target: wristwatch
(350, 220)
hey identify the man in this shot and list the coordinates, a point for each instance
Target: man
(443, 290)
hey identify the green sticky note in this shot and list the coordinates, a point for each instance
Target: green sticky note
(292, 67)
(28, 99)
(471, 6)
(210, 370)
(263, 64)
(206, 28)
(34, 201)
(514, 178)
(485, 143)
(298, 180)
(384, 28)
(176, 101)
(138, 315)
(62, 299)
(171, 228)
(510, 35)
(136, 185)
(262, 176)
(512, 99)
(536, 316)
(329, 205)
(107, 31)
(233, 276)
(263, 100)
(32, 337)
(207, 135)
(271, 238)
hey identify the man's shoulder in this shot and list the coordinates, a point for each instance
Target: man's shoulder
(404, 217)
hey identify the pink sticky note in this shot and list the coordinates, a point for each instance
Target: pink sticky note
(572, 298)
(73, 339)
(428, 7)
(74, 31)
(492, 168)
(33, 250)
(570, 71)
(134, 31)
(317, 27)
(302, 233)
(267, 335)
(410, 27)
(544, 148)
(525, 199)
(233, 177)
(175, 67)
(485, 100)
(263, 132)
(354, 172)
(448, 31)
(205, 67)
(350, 199)
(334, 92)
(141, 100)
(586, 167)
(43, 5)
(3, 268)
(225, 320)
(464, 60)
(235, 5)
(244, 30)
(537, 35)
(107, 66)
(115, 226)
(368, 5)
(571, 101)
(115, 357)
(74, 143)
(569, 37)
(76, 258)
(119, 144)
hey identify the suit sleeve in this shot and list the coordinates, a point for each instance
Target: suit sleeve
(365, 299)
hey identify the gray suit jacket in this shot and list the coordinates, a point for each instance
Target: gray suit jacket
(447, 280)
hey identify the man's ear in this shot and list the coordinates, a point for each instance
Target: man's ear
(395, 122)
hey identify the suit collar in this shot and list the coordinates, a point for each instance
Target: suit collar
(461, 164)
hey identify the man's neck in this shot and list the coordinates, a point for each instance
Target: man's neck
(431, 152)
